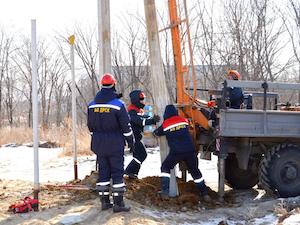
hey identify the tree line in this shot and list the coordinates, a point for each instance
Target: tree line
(259, 38)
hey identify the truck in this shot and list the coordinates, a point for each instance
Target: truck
(254, 145)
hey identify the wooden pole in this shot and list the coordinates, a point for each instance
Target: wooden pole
(159, 88)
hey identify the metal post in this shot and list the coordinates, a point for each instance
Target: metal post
(221, 168)
(35, 119)
(74, 114)
(220, 148)
(265, 87)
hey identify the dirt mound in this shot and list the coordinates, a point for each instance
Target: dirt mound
(144, 191)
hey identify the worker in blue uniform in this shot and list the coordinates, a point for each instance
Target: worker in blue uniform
(138, 120)
(234, 99)
(235, 94)
(176, 130)
(109, 124)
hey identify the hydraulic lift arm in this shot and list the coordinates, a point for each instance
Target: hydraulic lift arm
(185, 74)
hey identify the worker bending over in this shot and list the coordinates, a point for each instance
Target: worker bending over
(181, 146)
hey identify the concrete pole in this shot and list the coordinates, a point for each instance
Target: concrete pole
(159, 87)
(100, 39)
(35, 115)
(104, 37)
(299, 82)
(74, 113)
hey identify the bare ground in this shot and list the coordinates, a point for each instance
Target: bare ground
(147, 207)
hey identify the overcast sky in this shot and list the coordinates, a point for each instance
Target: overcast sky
(55, 15)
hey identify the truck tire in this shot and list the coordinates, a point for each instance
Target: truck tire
(280, 170)
(237, 178)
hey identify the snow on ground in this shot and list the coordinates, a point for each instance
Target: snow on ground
(292, 220)
(16, 163)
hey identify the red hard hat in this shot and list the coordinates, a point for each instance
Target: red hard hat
(107, 79)
(234, 74)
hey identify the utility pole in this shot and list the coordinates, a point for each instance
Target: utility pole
(104, 37)
(299, 81)
(159, 88)
(74, 113)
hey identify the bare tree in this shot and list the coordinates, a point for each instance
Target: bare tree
(207, 48)
(118, 63)
(5, 48)
(10, 94)
(135, 48)
(53, 70)
(248, 37)
(291, 18)
(87, 50)
(22, 61)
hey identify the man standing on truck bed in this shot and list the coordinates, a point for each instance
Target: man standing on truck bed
(235, 94)
(235, 98)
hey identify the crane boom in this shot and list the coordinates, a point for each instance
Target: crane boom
(181, 41)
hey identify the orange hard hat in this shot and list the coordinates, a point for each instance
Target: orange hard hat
(234, 74)
(108, 80)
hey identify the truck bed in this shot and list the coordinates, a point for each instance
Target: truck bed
(259, 123)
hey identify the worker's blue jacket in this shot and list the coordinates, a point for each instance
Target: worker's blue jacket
(236, 97)
(176, 130)
(137, 117)
(108, 121)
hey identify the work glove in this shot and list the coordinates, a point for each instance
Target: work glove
(228, 104)
(156, 118)
(119, 95)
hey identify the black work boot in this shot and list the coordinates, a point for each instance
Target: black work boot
(203, 192)
(165, 184)
(119, 205)
(104, 197)
(132, 169)
(207, 198)
(105, 203)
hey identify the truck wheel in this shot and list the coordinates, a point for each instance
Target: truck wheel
(280, 170)
(237, 178)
